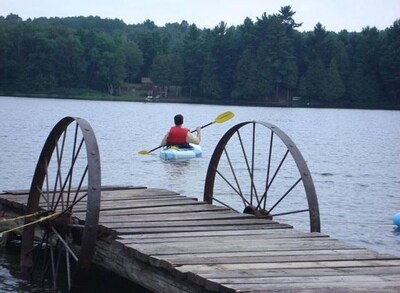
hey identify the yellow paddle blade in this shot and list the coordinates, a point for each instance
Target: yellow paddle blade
(144, 152)
(221, 118)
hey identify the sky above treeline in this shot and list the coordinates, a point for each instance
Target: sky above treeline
(334, 15)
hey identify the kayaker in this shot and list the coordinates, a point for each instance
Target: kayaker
(181, 136)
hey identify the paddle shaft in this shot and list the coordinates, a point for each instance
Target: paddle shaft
(204, 126)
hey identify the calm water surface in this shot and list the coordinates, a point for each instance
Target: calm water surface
(353, 156)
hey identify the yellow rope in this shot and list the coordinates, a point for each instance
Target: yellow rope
(31, 223)
(17, 218)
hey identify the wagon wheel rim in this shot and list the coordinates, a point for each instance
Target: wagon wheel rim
(68, 204)
(256, 200)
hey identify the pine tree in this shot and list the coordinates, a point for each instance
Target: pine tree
(334, 86)
(315, 79)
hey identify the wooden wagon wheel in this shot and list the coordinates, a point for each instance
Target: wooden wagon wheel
(252, 172)
(65, 192)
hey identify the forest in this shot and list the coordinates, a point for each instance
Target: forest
(266, 62)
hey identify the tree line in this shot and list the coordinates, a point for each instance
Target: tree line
(263, 62)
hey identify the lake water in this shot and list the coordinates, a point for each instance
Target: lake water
(353, 156)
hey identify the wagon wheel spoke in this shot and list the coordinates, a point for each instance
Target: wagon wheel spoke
(67, 178)
(58, 171)
(73, 155)
(39, 247)
(283, 197)
(250, 169)
(49, 270)
(52, 265)
(43, 260)
(226, 205)
(68, 270)
(291, 212)
(65, 244)
(237, 189)
(254, 156)
(268, 184)
(76, 200)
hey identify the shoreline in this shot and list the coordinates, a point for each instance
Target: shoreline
(185, 100)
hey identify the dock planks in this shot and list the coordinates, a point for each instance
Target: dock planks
(167, 242)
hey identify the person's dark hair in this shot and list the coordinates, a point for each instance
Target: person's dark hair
(178, 119)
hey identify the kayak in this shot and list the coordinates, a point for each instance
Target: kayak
(179, 154)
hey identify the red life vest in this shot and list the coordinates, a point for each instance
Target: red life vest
(177, 136)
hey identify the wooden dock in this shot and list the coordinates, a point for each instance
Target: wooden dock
(167, 242)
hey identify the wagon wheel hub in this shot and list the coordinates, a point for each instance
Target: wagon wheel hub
(259, 213)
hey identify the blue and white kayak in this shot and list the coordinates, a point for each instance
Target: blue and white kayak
(179, 154)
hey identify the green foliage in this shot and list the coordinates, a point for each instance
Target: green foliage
(334, 88)
(160, 70)
(264, 62)
(246, 78)
(193, 59)
(364, 88)
(390, 62)
(315, 80)
(209, 85)
(167, 70)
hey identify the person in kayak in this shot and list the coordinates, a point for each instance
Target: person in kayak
(180, 136)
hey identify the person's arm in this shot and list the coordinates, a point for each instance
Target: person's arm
(164, 140)
(194, 138)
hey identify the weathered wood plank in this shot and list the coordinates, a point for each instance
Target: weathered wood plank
(299, 272)
(198, 207)
(108, 193)
(203, 278)
(228, 235)
(243, 228)
(178, 260)
(157, 198)
(310, 254)
(393, 278)
(19, 205)
(244, 242)
(132, 204)
(104, 188)
(137, 192)
(14, 197)
(268, 256)
(203, 216)
(116, 258)
(237, 246)
(287, 265)
(363, 282)
(187, 236)
(190, 223)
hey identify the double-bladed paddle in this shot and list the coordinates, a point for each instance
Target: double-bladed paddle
(221, 118)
